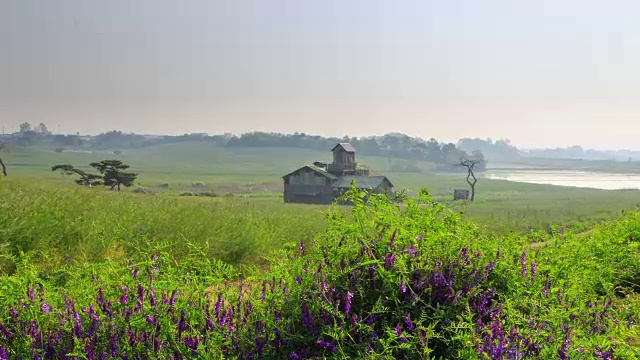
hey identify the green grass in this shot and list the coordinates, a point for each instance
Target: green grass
(256, 174)
(72, 224)
(387, 282)
(74, 240)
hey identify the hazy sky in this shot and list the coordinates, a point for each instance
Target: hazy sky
(542, 73)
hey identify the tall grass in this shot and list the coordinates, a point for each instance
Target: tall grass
(74, 224)
(386, 282)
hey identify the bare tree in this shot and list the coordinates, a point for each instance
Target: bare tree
(4, 168)
(470, 164)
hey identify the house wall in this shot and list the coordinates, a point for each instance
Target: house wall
(299, 194)
(307, 177)
(341, 157)
(299, 186)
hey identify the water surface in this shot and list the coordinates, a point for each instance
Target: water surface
(606, 181)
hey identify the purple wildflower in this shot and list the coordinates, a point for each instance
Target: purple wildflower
(408, 322)
(371, 319)
(114, 345)
(4, 354)
(152, 297)
(150, 320)
(263, 291)
(217, 307)
(412, 250)
(124, 299)
(389, 260)
(347, 303)
(31, 294)
(174, 297)
(294, 356)
(301, 246)
(327, 345)
(192, 342)
(100, 299)
(135, 273)
(46, 308)
(298, 280)
(523, 261)
(403, 287)
(534, 267)
(307, 321)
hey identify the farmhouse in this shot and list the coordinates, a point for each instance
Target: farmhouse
(322, 183)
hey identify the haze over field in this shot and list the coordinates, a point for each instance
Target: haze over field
(542, 73)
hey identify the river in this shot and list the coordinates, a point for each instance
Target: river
(606, 181)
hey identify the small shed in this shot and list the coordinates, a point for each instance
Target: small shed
(460, 194)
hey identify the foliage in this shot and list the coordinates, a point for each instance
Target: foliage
(112, 174)
(86, 179)
(386, 281)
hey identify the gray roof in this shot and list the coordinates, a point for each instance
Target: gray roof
(346, 146)
(316, 169)
(362, 182)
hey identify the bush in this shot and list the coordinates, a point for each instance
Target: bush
(207, 194)
(388, 281)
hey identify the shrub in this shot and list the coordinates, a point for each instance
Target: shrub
(388, 281)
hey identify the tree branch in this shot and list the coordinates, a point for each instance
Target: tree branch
(4, 168)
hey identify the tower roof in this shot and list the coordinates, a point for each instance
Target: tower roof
(345, 146)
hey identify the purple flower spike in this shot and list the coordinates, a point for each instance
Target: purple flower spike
(327, 345)
(4, 354)
(100, 299)
(124, 299)
(412, 250)
(389, 260)
(408, 322)
(534, 267)
(523, 261)
(46, 308)
(398, 330)
(301, 247)
(31, 294)
(403, 287)
(347, 303)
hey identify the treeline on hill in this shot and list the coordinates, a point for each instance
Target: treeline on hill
(392, 144)
(444, 155)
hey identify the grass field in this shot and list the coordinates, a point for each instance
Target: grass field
(255, 173)
(427, 279)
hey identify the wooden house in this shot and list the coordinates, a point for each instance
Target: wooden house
(323, 183)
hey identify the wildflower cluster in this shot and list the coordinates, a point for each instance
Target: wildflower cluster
(392, 282)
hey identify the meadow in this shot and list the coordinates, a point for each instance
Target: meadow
(501, 206)
(91, 273)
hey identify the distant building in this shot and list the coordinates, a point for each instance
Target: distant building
(323, 183)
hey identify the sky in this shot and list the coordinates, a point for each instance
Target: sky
(540, 73)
